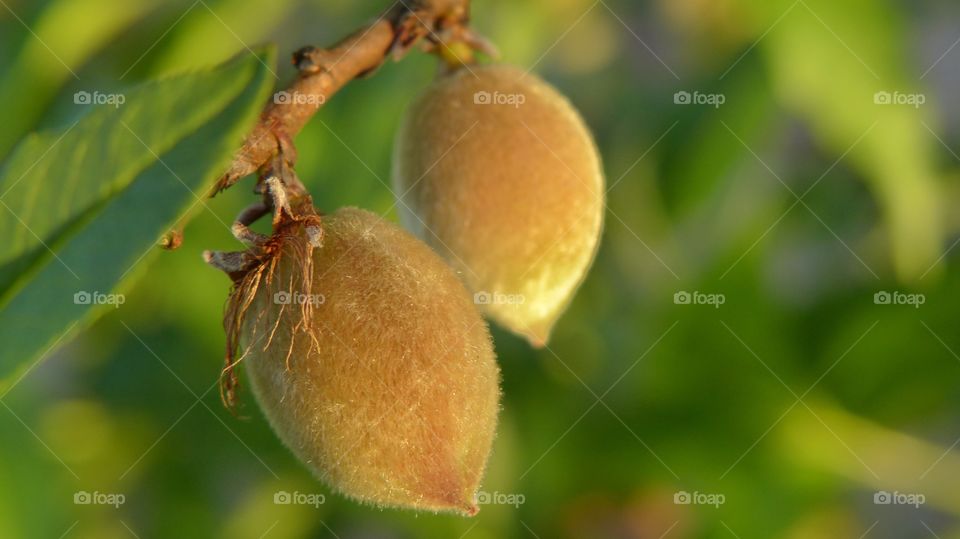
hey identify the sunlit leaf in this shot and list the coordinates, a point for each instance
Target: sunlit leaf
(828, 62)
(212, 31)
(59, 42)
(97, 245)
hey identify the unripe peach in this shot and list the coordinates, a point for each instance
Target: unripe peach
(497, 171)
(390, 391)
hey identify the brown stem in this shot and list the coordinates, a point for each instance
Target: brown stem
(324, 71)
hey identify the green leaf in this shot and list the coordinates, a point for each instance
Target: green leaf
(113, 185)
(59, 42)
(54, 179)
(828, 60)
(215, 30)
(700, 154)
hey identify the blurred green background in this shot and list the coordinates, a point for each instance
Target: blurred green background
(817, 190)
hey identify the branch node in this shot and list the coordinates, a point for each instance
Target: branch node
(323, 72)
(310, 60)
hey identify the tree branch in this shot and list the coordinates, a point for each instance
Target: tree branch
(323, 72)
